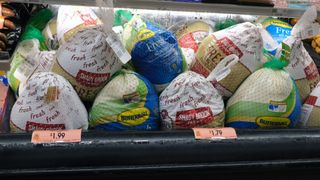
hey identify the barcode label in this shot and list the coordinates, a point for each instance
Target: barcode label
(118, 48)
(26, 69)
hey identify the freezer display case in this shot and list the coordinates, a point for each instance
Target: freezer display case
(145, 88)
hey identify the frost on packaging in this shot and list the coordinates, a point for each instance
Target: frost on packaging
(191, 101)
(48, 103)
(243, 40)
(87, 61)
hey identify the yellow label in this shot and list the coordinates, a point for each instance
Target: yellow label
(145, 34)
(273, 122)
(134, 117)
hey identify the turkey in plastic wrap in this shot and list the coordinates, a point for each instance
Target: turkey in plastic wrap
(301, 66)
(243, 40)
(87, 61)
(127, 102)
(191, 101)
(268, 98)
(155, 51)
(189, 35)
(48, 103)
(311, 110)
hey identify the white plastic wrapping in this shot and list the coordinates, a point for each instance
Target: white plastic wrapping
(48, 103)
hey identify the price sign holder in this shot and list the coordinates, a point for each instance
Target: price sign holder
(58, 136)
(215, 133)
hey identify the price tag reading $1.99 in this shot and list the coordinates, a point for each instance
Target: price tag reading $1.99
(58, 136)
(215, 133)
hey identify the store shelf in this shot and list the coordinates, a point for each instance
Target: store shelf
(121, 153)
(183, 6)
(4, 65)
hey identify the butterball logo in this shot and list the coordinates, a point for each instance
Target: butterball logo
(273, 122)
(134, 117)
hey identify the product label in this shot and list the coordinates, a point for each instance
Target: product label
(118, 47)
(31, 126)
(194, 117)
(311, 100)
(26, 69)
(134, 117)
(52, 94)
(273, 122)
(277, 106)
(192, 40)
(91, 79)
(305, 114)
(131, 98)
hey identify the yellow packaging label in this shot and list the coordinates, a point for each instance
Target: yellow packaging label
(134, 117)
(145, 34)
(273, 122)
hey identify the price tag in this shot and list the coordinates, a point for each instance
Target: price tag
(63, 136)
(215, 133)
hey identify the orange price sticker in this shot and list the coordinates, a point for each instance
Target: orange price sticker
(215, 133)
(58, 136)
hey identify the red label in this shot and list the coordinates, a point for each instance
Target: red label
(91, 79)
(194, 117)
(228, 47)
(187, 41)
(311, 100)
(197, 67)
(87, 19)
(311, 71)
(31, 126)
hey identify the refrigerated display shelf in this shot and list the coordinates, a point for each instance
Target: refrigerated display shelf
(182, 6)
(122, 153)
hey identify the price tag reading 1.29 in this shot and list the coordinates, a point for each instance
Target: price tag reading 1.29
(56, 136)
(214, 133)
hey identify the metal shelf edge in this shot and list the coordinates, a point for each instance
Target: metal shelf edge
(182, 6)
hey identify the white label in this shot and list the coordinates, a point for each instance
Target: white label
(277, 107)
(305, 114)
(118, 47)
(26, 69)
